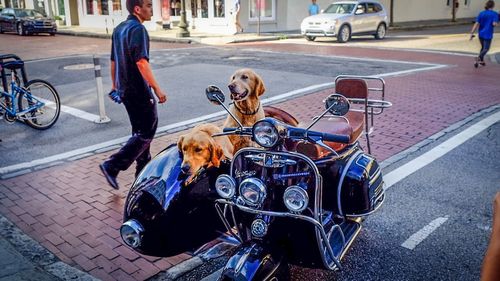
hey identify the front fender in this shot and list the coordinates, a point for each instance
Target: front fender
(175, 217)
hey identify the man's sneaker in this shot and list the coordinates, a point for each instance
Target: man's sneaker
(110, 175)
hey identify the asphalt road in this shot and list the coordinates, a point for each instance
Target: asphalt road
(184, 74)
(457, 188)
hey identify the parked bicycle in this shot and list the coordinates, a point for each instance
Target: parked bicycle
(35, 102)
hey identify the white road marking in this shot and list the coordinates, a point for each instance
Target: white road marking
(420, 235)
(79, 113)
(409, 168)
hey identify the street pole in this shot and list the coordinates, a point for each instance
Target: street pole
(183, 25)
(454, 10)
(258, 19)
(391, 23)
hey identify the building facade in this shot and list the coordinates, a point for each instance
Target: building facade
(214, 16)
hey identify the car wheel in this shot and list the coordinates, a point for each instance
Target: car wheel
(52, 34)
(310, 38)
(20, 29)
(381, 31)
(1, 30)
(344, 34)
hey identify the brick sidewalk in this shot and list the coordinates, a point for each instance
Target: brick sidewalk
(73, 212)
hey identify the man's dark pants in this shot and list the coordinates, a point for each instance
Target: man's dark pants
(144, 119)
(485, 47)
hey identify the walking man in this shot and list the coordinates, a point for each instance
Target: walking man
(133, 79)
(486, 22)
(236, 15)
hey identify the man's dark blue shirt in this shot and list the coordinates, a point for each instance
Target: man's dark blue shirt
(130, 44)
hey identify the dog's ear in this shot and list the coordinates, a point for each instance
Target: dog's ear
(216, 154)
(179, 142)
(259, 86)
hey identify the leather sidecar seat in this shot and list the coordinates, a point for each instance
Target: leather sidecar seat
(337, 126)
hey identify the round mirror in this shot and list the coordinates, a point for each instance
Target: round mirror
(215, 94)
(337, 104)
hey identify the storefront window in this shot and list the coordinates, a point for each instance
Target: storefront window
(175, 6)
(103, 7)
(204, 8)
(219, 8)
(89, 5)
(265, 9)
(117, 6)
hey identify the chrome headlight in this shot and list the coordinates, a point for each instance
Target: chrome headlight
(131, 232)
(225, 186)
(265, 134)
(295, 198)
(253, 191)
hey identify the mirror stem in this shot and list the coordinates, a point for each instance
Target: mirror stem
(229, 111)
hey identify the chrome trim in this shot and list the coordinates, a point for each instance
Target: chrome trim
(317, 221)
(341, 180)
(320, 230)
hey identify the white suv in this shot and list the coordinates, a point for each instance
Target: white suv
(345, 18)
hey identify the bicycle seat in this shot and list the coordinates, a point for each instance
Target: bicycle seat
(12, 65)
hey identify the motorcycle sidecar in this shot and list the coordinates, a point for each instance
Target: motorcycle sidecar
(163, 216)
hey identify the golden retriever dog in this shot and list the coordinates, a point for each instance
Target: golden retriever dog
(246, 87)
(200, 149)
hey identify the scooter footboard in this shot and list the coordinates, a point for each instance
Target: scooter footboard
(255, 262)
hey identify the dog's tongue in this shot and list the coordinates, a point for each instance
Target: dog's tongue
(237, 96)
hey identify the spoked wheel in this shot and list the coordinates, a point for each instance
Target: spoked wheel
(344, 34)
(381, 31)
(20, 29)
(41, 117)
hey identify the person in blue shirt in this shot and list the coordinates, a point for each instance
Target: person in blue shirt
(132, 81)
(485, 22)
(313, 8)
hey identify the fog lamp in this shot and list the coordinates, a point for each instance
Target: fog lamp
(225, 186)
(295, 198)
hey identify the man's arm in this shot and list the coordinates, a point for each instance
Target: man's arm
(147, 74)
(491, 262)
(474, 28)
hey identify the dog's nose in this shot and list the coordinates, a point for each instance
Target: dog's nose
(231, 87)
(185, 168)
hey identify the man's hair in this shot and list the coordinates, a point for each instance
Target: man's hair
(489, 5)
(132, 3)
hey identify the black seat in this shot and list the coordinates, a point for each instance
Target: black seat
(12, 65)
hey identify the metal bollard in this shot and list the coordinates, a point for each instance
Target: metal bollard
(100, 93)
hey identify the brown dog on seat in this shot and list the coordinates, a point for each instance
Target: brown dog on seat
(246, 87)
(200, 149)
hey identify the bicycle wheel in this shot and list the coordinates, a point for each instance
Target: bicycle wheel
(44, 117)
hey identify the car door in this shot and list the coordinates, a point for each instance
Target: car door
(359, 24)
(372, 17)
(3, 19)
(10, 20)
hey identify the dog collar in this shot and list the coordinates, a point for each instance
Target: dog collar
(246, 113)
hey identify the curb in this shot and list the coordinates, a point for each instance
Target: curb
(435, 25)
(38, 255)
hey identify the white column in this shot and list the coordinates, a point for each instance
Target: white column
(67, 11)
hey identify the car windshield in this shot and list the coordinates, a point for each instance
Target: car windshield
(28, 13)
(340, 9)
